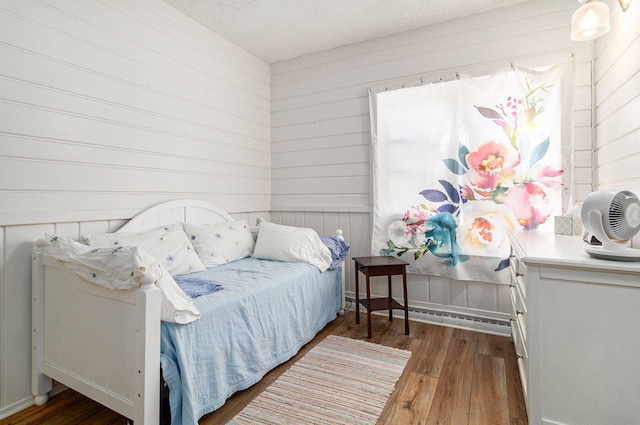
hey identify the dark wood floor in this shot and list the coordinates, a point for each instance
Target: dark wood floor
(454, 377)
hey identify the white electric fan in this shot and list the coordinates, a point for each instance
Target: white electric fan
(613, 218)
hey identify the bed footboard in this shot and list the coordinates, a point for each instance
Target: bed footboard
(102, 343)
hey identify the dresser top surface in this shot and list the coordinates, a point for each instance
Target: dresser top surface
(549, 249)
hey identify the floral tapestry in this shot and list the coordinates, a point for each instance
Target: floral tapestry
(458, 164)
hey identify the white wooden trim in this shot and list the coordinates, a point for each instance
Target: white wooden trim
(192, 211)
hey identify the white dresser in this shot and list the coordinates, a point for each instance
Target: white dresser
(576, 329)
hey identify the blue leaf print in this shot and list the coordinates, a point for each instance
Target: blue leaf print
(539, 151)
(448, 208)
(434, 195)
(454, 166)
(503, 265)
(463, 151)
(452, 191)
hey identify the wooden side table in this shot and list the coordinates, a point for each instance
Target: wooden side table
(381, 266)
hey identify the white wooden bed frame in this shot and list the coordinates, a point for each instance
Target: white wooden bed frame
(104, 343)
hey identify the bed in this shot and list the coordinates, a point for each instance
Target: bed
(108, 344)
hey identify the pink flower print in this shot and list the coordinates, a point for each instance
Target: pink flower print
(417, 215)
(467, 193)
(529, 203)
(491, 164)
(547, 171)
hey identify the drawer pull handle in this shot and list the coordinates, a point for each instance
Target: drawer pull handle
(519, 312)
(519, 356)
(511, 285)
(519, 274)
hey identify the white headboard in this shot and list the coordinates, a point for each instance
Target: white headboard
(183, 210)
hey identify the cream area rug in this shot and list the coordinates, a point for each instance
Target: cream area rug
(339, 381)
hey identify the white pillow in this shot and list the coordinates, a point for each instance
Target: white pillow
(295, 244)
(124, 267)
(220, 243)
(169, 245)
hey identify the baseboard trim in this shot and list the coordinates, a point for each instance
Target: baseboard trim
(459, 320)
(7, 411)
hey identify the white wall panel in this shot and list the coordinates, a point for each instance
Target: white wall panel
(617, 104)
(3, 330)
(131, 100)
(16, 309)
(106, 108)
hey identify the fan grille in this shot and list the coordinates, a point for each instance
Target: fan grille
(617, 219)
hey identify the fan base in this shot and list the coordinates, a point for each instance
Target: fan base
(630, 254)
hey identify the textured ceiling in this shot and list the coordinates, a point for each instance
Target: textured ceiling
(276, 30)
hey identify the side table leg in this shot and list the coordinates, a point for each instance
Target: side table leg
(368, 307)
(390, 300)
(406, 301)
(357, 297)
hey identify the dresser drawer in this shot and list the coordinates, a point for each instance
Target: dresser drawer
(518, 312)
(520, 345)
(518, 274)
(516, 335)
(523, 367)
(521, 310)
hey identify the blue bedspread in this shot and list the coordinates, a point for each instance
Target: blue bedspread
(267, 311)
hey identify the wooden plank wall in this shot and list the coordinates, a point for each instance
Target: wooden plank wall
(109, 107)
(106, 108)
(320, 124)
(617, 104)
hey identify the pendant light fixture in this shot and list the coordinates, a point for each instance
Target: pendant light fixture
(590, 21)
